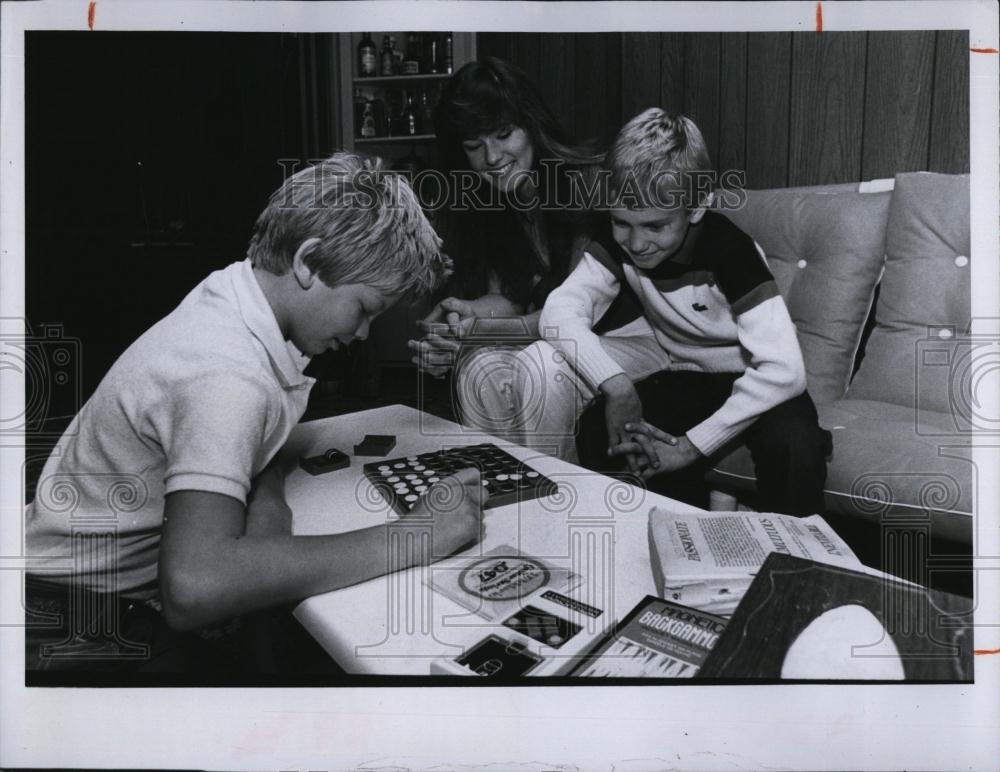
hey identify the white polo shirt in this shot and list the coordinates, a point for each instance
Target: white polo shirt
(202, 401)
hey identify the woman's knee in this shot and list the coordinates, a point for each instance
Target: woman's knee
(483, 383)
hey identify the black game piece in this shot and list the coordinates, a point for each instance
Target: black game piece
(375, 445)
(402, 481)
(325, 462)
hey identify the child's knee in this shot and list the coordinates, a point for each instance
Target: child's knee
(796, 437)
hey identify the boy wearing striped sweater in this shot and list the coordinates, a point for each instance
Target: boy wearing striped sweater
(715, 333)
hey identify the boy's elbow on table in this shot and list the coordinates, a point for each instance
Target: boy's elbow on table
(190, 597)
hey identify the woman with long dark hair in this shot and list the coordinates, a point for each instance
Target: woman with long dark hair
(515, 220)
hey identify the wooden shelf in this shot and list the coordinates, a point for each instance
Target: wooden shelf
(400, 78)
(403, 138)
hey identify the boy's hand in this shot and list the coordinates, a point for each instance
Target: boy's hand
(622, 406)
(454, 507)
(657, 451)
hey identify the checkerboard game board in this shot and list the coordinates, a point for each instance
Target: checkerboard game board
(506, 480)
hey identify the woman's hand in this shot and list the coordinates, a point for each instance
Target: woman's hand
(437, 351)
(656, 451)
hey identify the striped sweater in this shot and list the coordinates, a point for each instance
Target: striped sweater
(719, 312)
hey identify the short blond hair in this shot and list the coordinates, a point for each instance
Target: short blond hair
(657, 156)
(370, 227)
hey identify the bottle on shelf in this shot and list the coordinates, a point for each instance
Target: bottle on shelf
(431, 53)
(367, 55)
(397, 56)
(359, 111)
(426, 113)
(410, 118)
(447, 53)
(387, 58)
(411, 62)
(368, 121)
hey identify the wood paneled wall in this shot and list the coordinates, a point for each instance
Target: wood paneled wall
(791, 108)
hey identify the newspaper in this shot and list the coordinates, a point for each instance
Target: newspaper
(707, 560)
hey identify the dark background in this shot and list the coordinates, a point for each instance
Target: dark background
(149, 155)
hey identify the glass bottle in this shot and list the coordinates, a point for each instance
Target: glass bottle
(397, 56)
(449, 59)
(387, 58)
(359, 111)
(411, 62)
(366, 57)
(432, 53)
(368, 121)
(410, 118)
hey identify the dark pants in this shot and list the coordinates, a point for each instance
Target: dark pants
(75, 631)
(788, 447)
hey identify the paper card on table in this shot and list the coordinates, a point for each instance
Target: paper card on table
(497, 582)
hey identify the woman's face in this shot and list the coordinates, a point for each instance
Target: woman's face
(502, 158)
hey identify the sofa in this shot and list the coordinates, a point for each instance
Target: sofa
(877, 279)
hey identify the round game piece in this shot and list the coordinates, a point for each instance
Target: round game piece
(399, 466)
(412, 497)
(402, 488)
(501, 477)
(411, 458)
(428, 473)
(433, 479)
(420, 488)
(554, 640)
(410, 476)
(392, 479)
(531, 474)
(384, 468)
(515, 476)
(419, 468)
(485, 483)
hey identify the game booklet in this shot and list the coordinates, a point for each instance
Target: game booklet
(658, 639)
(495, 583)
(707, 560)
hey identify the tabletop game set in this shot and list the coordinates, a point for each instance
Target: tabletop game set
(505, 479)
(545, 636)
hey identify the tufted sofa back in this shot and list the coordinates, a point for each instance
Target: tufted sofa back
(825, 248)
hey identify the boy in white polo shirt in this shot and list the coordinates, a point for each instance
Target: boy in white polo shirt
(164, 493)
(715, 353)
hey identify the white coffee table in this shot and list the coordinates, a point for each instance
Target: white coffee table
(396, 624)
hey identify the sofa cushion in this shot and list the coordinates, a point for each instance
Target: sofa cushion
(825, 250)
(888, 465)
(924, 304)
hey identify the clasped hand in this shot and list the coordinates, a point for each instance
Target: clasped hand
(647, 450)
(449, 321)
(654, 451)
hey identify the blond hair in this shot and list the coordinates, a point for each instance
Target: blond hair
(658, 157)
(370, 227)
